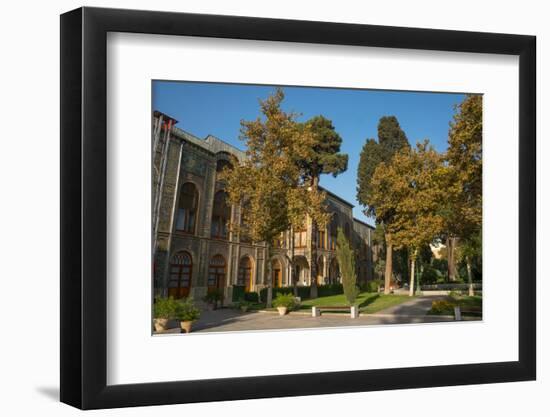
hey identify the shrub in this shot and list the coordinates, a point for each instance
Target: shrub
(371, 286)
(251, 297)
(441, 265)
(281, 290)
(304, 291)
(164, 308)
(186, 310)
(285, 300)
(455, 294)
(238, 292)
(330, 289)
(429, 275)
(243, 303)
(213, 296)
(442, 307)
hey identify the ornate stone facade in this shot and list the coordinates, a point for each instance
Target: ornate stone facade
(192, 248)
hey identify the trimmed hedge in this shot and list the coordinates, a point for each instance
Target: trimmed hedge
(251, 297)
(238, 293)
(304, 291)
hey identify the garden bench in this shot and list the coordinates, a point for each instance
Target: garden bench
(316, 310)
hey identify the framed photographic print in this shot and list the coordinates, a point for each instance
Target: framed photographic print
(258, 208)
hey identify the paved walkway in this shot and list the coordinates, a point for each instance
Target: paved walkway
(227, 320)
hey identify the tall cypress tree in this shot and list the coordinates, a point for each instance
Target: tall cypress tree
(325, 158)
(391, 139)
(346, 261)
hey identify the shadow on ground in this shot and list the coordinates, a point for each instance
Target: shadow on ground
(50, 392)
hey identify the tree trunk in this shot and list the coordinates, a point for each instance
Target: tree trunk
(313, 293)
(269, 277)
(389, 266)
(470, 281)
(411, 284)
(451, 261)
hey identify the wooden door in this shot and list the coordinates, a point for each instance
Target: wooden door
(277, 278)
(181, 269)
(216, 273)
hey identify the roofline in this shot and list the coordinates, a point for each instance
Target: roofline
(199, 140)
(157, 113)
(355, 219)
(336, 196)
(223, 141)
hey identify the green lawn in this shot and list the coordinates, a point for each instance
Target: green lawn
(368, 302)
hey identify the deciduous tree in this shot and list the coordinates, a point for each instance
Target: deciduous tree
(463, 211)
(411, 187)
(270, 180)
(324, 158)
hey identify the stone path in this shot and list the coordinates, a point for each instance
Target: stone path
(227, 320)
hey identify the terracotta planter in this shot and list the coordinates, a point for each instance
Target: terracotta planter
(282, 310)
(186, 326)
(160, 324)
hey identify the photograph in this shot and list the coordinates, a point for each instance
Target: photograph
(295, 207)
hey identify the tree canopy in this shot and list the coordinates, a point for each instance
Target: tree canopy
(325, 157)
(410, 188)
(270, 181)
(464, 189)
(391, 139)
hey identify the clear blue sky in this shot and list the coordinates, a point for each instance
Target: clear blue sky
(217, 109)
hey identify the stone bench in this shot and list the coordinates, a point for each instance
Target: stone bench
(316, 310)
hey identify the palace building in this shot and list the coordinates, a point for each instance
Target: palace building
(193, 249)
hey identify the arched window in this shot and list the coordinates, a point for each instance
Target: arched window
(244, 230)
(347, 231)
(321, 270)
(300, 236)
(245, 273)
(220, 215)
(277, 274)
(322, 238)
(216, 272)
(221, 164)
(278, 242)
(333, 231)
(181, 269)
(187, 208)
(334, 271)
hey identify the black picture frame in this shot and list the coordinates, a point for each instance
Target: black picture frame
(84, 207)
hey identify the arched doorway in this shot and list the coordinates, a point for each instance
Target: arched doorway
(321, 270)
(245, 273)
(301, 271)
(181, 269)
(221, 212)
(187, 208)
(276, 273)
(334, 271)
(216, 273)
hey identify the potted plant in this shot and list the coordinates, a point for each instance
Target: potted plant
(284, 303)
(244, 305)
(186, 313)
(163, 310)
(212, 298)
